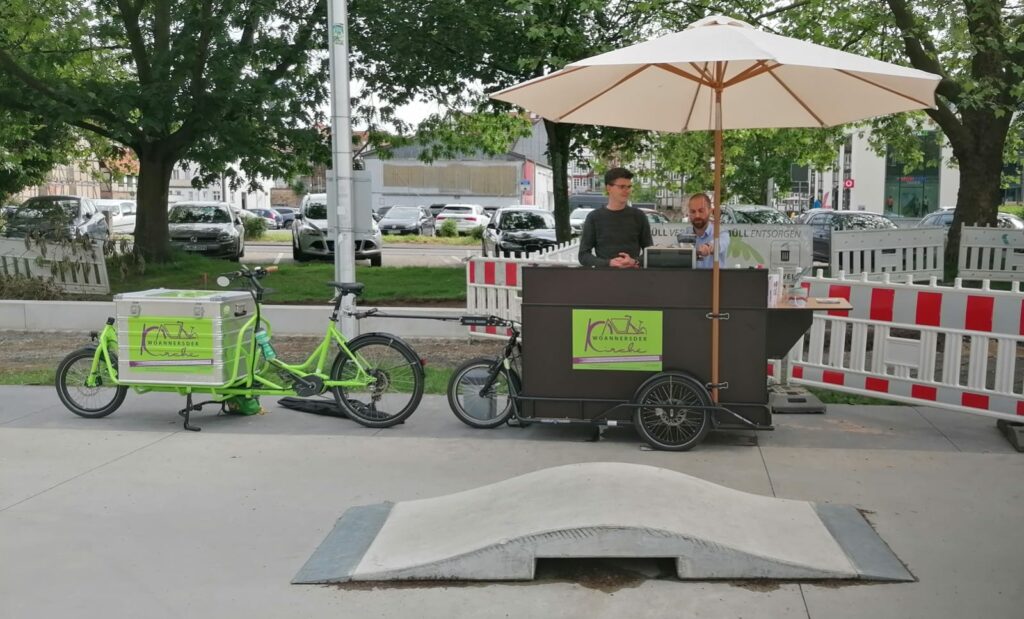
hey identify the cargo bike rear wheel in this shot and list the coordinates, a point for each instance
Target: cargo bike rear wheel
(398, 387)
(673, 411)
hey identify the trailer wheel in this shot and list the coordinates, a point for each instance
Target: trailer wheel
(663, 416)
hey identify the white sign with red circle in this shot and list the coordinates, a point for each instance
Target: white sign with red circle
(848, 183)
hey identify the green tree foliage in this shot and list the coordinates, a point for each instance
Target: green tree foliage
(977, 46)
(208, 82)
(455, 51)
(29, 148)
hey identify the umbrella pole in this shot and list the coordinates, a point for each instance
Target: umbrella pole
(715, 266)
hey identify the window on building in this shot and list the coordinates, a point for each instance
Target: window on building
(914, 193)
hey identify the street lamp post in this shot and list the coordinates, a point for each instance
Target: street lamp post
(341, 212)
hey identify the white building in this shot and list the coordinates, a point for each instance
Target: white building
(865, 180)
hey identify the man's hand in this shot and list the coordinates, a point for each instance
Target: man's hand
(623, 261)
(705, 250)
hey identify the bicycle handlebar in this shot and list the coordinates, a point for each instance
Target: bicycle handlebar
(254, 273)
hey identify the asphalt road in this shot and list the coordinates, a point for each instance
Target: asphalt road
(394, 255)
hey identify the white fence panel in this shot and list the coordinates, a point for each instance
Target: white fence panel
(75, 270)
(917, 252)
(991, 253)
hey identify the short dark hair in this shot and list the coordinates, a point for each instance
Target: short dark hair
(703, 197)
(615, 174)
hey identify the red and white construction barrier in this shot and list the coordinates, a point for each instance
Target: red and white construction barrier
(949, 347)
(492, 288)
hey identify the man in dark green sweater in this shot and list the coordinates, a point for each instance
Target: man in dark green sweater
(616, 234)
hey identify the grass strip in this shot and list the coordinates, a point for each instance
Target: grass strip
(303, 282)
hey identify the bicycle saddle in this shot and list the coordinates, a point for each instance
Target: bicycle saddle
(352, 288)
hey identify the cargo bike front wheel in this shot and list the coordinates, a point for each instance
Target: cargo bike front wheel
(398, 381)
(85, 394)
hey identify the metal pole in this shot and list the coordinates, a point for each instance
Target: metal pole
(341, 156)
(716, 214)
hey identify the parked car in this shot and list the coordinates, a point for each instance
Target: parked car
(519, 229)
(654, 217)
(407, 220)
(576, 219)
(381, 211)
(435, 209)
(270, 217)
(758, 214)
(824, 221)
(210, 228)
(945, 218)
(287, 214)
(122, 214)
(310, 238)
(58, 217)
(466, 216)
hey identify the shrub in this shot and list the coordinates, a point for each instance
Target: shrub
(27, 288)
(255, 228)
(477, 232)
(448, 228)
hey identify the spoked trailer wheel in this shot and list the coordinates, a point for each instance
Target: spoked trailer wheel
(673, 411)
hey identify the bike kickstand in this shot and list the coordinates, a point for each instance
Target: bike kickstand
(185, 412)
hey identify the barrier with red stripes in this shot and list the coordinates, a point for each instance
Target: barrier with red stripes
(949, 347)
(492, 287)
(493, 284)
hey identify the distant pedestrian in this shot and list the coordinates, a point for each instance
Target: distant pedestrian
(817, 202)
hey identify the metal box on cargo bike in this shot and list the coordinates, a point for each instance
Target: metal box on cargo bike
(183, 337)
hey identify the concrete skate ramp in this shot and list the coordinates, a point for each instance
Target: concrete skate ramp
(598, 510)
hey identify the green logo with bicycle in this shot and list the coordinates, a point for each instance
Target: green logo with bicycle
(617, 340)
(170, 343)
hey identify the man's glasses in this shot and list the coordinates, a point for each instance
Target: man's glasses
(623, 186)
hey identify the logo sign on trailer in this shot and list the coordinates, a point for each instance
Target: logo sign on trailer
(848, 183)
(619, 339)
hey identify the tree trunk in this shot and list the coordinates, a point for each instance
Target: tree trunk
(980, 157)
(559, 138)
(151, 236)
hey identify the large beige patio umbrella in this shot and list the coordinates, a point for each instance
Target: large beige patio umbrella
(721, 73)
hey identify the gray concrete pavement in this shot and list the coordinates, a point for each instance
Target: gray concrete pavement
(131, 516)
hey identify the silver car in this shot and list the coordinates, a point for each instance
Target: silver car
(311, 240)
(58, 217)
(209, 228)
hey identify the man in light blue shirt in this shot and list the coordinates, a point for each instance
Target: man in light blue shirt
(699, 207)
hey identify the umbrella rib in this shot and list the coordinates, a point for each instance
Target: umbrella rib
(885, 88)
(559, 73)
(708, 78)
(693, 106)
(761, 66)
(796, 98)
(701, 81)
(616, 84)
(677, 71)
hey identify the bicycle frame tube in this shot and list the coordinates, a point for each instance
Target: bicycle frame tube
(253, 383)
(108, 338)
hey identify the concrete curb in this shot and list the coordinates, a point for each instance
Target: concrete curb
(286, 319)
